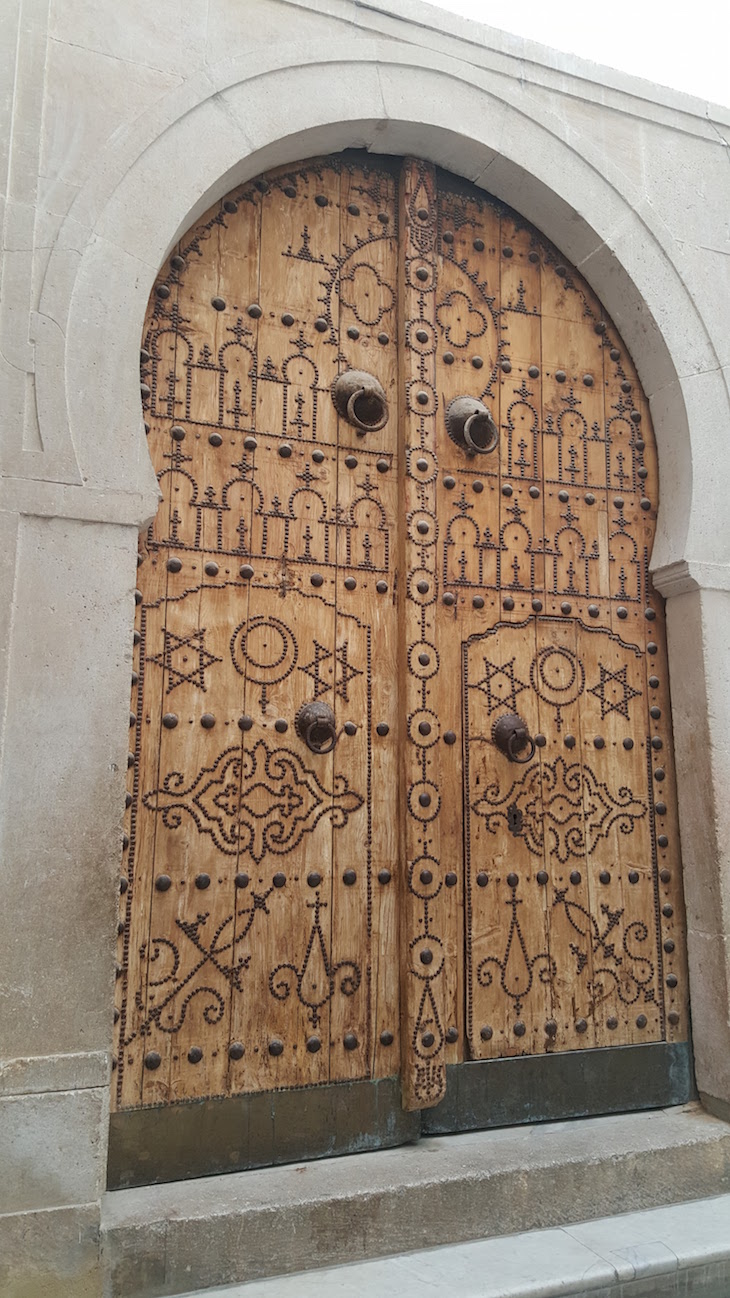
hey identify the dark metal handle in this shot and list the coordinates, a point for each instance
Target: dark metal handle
(324, 747)
(313, 719)
(512, 749)
(511, 736)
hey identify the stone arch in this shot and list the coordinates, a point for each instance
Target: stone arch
(334, 99)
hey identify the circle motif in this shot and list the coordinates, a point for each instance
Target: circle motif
(264, 649)
(424, 789)
(423, 659)
(433, 950)
(426, 718)
(557, 675)
(420, 586)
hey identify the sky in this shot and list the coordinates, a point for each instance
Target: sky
(686, 46)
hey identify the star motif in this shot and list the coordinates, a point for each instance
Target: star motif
(500, 684)
(344, 671)
(185, 659)
(614, 692)
(313, 669)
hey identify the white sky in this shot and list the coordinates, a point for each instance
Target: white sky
(684, 45)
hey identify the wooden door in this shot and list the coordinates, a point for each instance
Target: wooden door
(332, 935)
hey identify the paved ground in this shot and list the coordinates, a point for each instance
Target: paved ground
(680, 1250)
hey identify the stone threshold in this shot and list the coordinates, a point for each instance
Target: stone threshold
(189, 1236)
(662, 1252)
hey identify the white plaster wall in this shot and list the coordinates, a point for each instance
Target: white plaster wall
(120, 122)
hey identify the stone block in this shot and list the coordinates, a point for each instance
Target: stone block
(52, 1254)
(52, 1149)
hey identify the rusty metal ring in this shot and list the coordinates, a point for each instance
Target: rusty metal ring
(321, 749)
(512, 751)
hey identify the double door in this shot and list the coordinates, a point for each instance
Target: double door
(402, 845)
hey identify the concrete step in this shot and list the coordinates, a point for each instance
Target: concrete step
(662, 1253)
(193, 1235)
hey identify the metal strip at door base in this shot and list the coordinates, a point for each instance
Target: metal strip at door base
(238, 1133)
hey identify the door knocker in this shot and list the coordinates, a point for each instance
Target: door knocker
(470, 424)
(512, 737)
(360, 399)
(315, 725)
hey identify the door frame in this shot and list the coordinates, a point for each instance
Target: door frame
(328, 99)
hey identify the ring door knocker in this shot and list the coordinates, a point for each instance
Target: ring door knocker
(360, 399)
(470, 425)
(315, 725)
(512, 737)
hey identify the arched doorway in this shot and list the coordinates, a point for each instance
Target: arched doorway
(378, 908)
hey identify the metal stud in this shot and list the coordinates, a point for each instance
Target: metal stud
(152, 1060)
(386, 1038)
(449, 737)
(202, 881)
(314, 878)
(452, 1035)
(384, 876)
(486, 1033)
(641, 1020)
(560, 376)
(276, 1047)
(285, 451)
(241, 880)
(513, 880)
(448, 599)
(245, 723)
(207, 721)
(313, 1045)
(218, 304)
(281, 726)
(478, 245)
(450, 879)
(520, 1029)
(427, 1039)
(174, 565)
(320, 324)
(542, 877)
(279, 879)
(593, 610)
(569, 741)
(350, 728)
(169, 720)
(215, 439)
(163, 882)
(382, 729)
(246, 571)
(195, 1055)
(211, 568)
(349, 1041)
(575, 876)
(381, 587)
(448, 358)
(482, 879)
(478, 601)
(581, 1025)
(633, 876)
(236, 1050)
(349, 877)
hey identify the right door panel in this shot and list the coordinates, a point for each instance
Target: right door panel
(537, 600)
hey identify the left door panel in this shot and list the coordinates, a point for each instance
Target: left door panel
(258, 935)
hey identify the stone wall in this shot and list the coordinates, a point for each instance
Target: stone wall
(123, 121)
